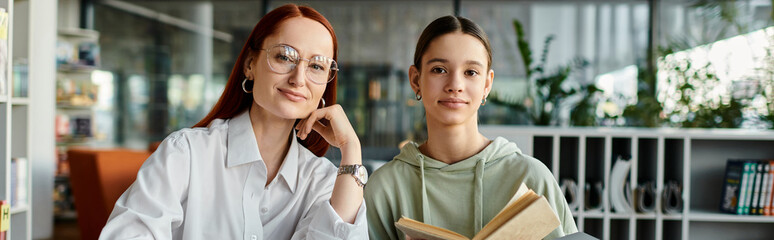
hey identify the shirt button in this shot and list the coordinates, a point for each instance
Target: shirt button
(264, 210)
(252, 195)
(253, 237)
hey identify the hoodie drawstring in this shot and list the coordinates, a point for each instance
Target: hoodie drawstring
(425, 204)
(478, 200)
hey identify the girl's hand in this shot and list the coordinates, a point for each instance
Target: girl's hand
(339, 132)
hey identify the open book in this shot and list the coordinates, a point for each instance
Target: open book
(526, 216)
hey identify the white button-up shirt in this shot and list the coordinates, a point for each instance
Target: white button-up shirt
(210, 183)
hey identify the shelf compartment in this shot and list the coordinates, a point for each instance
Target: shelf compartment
(619, 229)
(594, 173)
(19, 131)
(543, 150)
(672, 229)
(673, 157)
(647, 156)
(593, 227)
(19, 221)
(646, 229)
(568, 158)
(708, 166)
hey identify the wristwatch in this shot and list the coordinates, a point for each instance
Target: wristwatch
(358, 171)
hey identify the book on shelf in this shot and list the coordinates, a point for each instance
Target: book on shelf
(749, 172)
(757, 208)
(526, 216)
(756, 191)
(5, 218)
(18, 181)
(20, 78)
(4, 58)
(747, 187)
(768, 208)
(765, 190)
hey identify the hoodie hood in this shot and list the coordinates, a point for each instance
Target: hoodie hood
(496, 150)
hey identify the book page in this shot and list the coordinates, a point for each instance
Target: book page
(419, 230)
(520, 192)
(523, 189)
(534, 222)
(506, 214)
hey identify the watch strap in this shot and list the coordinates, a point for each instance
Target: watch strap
(352, 170)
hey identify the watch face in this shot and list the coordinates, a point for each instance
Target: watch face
(362, 174)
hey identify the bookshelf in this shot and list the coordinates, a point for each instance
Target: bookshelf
(696, 158)
(16, 163)
(77, 91)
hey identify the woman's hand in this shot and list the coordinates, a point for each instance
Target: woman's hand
(347, 195)
(339, 132)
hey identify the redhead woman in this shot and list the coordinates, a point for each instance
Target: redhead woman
(253, 167)
(458, 179)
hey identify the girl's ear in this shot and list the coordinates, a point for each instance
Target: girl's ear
(489, 81)
(414, 78)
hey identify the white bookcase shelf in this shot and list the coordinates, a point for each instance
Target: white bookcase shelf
(18, 101)
(694, 158)
(15, 138)
(22, 208)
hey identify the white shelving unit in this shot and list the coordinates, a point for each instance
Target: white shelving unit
(15, 111)
(695, 158)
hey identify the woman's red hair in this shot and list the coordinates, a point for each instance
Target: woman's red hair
(234, 101)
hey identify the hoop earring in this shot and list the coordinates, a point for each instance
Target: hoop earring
(418, 96)
(243, 86)
(483, 101)
(323, 102)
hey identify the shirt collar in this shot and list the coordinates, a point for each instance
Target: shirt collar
(289, 168)
(243, 148)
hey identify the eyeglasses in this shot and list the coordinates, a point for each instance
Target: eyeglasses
(283, 59)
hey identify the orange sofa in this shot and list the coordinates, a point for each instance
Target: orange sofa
(98, 177)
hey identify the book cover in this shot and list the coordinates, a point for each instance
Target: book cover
(12, 197)
(754, 207)
(764, 192)
(5, 218)
(20, 193)
(732, 184)
(526, 216)
(748, 187)
(768, 208)
(3, 51)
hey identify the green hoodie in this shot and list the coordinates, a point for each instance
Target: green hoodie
(462, 197)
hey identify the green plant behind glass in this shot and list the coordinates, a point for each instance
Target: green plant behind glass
(547, 93)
